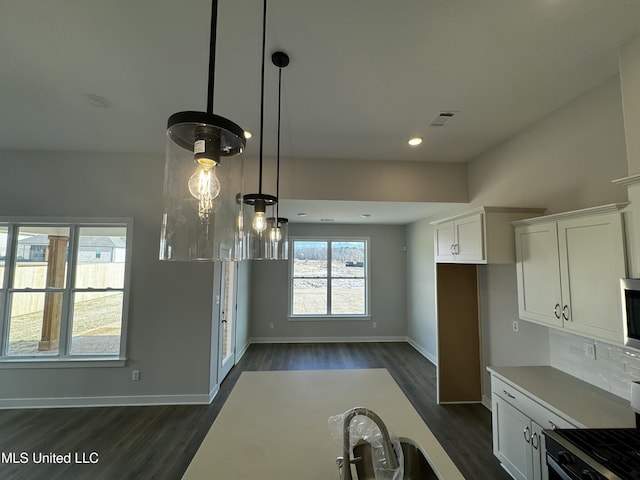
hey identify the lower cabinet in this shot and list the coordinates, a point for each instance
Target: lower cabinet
(517, 442)
(518, 421)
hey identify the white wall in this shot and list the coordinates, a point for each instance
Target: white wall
(498, 299)
(422, 321)
(170, 311)
(269, 290)
(565, 161)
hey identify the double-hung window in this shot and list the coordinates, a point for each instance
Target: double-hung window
(63, 289)
(329, 278)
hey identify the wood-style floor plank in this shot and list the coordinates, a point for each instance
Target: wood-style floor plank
(158, 442)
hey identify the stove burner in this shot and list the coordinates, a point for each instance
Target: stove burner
(617, 449)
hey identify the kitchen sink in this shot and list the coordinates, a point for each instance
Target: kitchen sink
(416, 466)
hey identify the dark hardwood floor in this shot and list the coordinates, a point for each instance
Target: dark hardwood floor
(158, 442)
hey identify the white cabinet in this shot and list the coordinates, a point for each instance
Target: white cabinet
(568, 271)
(517, 422)
(479, 236)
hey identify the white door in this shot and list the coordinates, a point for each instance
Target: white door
(538, 270)
(592, 261)
(512, 439)
(227, 331)
(469, 239)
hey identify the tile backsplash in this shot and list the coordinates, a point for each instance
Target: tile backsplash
(612, 369)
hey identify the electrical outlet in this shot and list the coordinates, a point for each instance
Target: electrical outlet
(590, 351)
(271, 326)
(516, 327)
(374, 325)
(135, 375)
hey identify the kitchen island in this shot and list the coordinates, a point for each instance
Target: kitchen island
(274, 425)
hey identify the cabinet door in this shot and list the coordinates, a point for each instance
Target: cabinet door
(539, 453)
(592, 262)
(469, 234)
(510, 445)
(444, 241)
(538, 273)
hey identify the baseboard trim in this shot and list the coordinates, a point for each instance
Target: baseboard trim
(325, 339)
(422, 351)
(124, 401)
(242, 351)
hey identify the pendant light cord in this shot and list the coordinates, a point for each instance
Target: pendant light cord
(212, 55)
(278, 144)
(264, 43)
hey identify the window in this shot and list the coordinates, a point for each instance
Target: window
(58, 300)
(329, 278)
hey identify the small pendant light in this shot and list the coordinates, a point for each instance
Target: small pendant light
(278, 241)
(202, 185)
(256, 232)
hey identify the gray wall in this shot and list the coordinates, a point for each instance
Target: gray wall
(170, 311)
(269, 290)
(243, 313)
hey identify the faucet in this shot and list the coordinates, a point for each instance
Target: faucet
(344, 462)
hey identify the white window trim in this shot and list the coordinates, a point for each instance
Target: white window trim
(336, 317)
(64, 360)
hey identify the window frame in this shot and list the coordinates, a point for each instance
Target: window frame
(367, 278)
(64, 357)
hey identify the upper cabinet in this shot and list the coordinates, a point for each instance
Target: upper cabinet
(569, 268)
(483, 235)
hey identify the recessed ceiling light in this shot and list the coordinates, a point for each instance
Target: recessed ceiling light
(365, 215)
(302, 214)
(247, 134)
(96, 100)
(415, 141)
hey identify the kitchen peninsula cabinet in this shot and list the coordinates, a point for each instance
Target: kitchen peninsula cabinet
(479, 236)
(569, 267)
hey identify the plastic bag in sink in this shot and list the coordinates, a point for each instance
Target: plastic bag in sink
(364, 429)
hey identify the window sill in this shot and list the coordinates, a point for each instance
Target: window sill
(30, 362)
(327, 318)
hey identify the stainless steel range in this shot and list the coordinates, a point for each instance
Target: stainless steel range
(593, 454)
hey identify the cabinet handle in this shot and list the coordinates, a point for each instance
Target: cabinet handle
(565, 312)
(452, 249)
(556, 311)
(535, 441)
(527, 435)
(508, 394)
(553, 425)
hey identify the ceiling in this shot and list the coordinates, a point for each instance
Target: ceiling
(365, 75)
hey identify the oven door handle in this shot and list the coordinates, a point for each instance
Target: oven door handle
(557, 469)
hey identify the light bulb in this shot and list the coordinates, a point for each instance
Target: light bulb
(205, 187)
(276, 234)
(259, 223)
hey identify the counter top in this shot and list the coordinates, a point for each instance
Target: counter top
(274, 425)
(584, 404)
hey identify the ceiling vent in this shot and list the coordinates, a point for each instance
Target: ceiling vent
(442, 118)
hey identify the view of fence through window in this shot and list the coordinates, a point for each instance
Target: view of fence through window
(42, 302)
(329, 277)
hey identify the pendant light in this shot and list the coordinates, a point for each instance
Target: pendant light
(278, 241)
(202, 184)
(255, 204)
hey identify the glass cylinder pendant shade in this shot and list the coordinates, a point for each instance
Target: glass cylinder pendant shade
(202, 189)
(278, 241)
(258, 208)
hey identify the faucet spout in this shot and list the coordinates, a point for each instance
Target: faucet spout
(346, 450)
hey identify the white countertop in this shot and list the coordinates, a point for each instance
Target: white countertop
(274, 425)
(588, 406)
